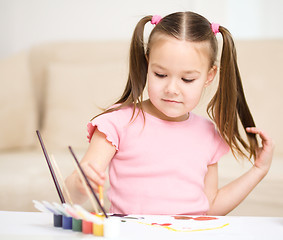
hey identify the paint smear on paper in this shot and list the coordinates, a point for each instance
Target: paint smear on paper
(186, 229)
(204, 218)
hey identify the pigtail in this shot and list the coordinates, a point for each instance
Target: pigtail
(137, 71)
(137, 68)
(229, 105)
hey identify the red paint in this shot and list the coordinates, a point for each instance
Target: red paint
(166, 224)
(162, 224)
(205, 218)
(86, 227)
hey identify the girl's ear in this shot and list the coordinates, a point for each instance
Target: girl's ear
(211, 75)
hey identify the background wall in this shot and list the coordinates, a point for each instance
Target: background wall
(24, 23)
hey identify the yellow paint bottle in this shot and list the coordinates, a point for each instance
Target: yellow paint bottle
(97, 228)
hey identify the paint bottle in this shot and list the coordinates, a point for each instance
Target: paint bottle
(67, 222)
(97, 228)
(112, 227)
(57, 220)
(86, 227)
(77, 224)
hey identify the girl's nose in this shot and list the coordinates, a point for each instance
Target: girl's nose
(172, 87)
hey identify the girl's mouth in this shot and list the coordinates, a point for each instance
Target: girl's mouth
(170, 101)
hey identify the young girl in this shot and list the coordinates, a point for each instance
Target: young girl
(163, 158)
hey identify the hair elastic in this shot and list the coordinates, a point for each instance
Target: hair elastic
(155, 19)
(215, 28)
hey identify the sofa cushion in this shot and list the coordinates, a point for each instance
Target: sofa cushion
(75, 52)
(18, 118)
(75, 93)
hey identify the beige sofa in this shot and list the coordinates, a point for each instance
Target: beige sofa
(58, 87)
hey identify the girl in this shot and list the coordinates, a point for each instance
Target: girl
(162, 158)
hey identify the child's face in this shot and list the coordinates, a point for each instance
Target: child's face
(178, 71)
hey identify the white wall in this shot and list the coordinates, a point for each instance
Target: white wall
(27, 22)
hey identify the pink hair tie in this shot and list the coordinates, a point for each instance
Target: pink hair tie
(155, 19)
(215, 28)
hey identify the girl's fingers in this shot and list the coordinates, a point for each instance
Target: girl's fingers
(253, 130)
(266, 140)
(83, 185)
(93, 186)
(92, 175)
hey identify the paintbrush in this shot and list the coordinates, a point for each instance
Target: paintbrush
(69, 199)
(85, 177)
(59, 191)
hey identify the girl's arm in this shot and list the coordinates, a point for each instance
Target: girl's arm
(94, 163)
(224, 200)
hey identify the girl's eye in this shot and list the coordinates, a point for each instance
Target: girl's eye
(187, 80)
(160, 75)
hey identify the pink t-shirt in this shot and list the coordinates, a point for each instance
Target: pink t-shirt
(159, 167)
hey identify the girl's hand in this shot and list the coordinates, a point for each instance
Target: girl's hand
(95, 177)
(263, 154)
(231, 195)
(94, 163)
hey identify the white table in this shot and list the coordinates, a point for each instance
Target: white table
(35, 225)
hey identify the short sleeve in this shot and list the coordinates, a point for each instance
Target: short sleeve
(220, 148)
(107, 124)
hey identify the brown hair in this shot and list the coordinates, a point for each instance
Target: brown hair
(228, 105)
